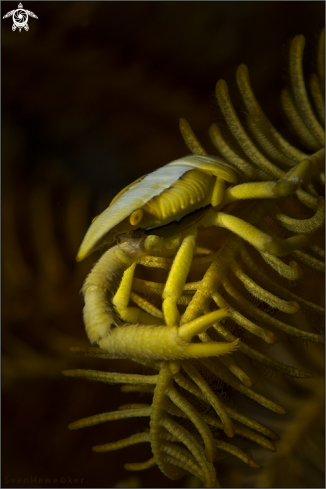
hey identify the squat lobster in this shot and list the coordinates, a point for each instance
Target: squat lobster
(169, 205)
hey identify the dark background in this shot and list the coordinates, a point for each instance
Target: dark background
(91, 100)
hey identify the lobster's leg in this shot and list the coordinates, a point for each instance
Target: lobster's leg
(121, 300)
(177, 278)
(257, 238)
(283, 187)
(218, 192)
(102, 283)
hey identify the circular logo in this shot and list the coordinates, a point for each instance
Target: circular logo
(20, 18)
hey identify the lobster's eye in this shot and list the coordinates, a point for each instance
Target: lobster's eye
(136, 217)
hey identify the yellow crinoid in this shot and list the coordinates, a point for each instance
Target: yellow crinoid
(209, 253)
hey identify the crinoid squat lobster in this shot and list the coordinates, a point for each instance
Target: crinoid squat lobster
(225, 235)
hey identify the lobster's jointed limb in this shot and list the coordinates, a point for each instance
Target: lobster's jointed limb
(177, 278)
(101, 284)
(168, 342)
(263, 242)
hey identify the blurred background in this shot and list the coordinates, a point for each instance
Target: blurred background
(91, 100)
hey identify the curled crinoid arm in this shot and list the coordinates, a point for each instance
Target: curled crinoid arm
(318, 97)
(228, 153)
(304, 226)
(190, 139)
(299, 91)
(269, 139)
(296, 104)
(291, 271)
(131, 440)
(238, 131)
(317, 81)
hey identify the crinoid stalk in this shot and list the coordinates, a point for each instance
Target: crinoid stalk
(199, 280)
